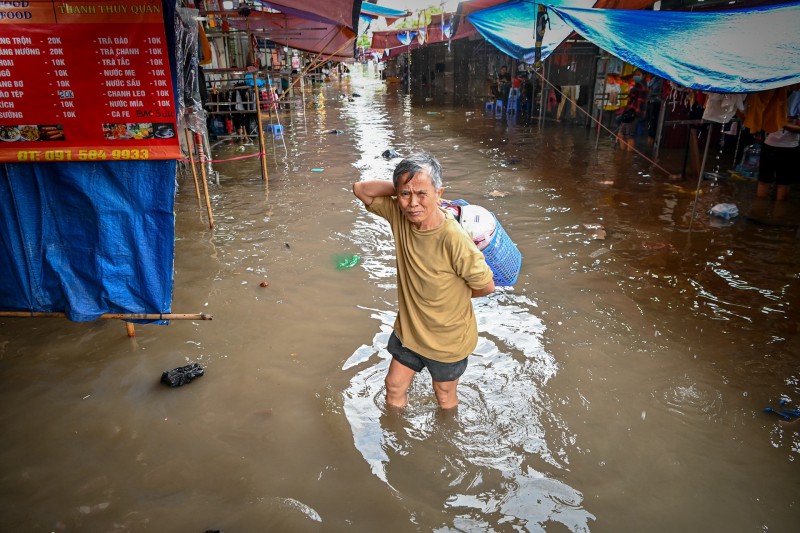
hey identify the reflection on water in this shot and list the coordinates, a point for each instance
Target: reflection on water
(619, 386)
(487, 462)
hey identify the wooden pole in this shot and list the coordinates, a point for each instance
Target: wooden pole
(202, 157)
(260, 132)
(191, 161)
(129, 326)
(263, 157)
(114, 316)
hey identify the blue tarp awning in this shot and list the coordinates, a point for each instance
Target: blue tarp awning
(510, 27)
(728, 51)
(375, 10)
(370, 12)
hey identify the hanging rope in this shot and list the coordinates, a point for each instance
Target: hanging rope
(207, 160)
(600, 124)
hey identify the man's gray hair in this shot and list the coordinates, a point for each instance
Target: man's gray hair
(416, 162)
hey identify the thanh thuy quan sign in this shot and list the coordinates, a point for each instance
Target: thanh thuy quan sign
(85, 80)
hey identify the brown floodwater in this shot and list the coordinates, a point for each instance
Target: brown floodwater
(620, 385)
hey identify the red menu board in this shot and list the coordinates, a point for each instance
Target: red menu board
(85, 80)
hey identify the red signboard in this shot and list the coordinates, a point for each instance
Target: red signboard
(87, 80)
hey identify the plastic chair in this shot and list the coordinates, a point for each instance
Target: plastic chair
(513, 92)
(489, 106)
(277, 129)
(498, 109)
(512, 105)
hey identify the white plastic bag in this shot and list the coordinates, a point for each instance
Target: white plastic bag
(726, 211)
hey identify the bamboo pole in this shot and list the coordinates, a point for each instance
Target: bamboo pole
(263, 157)
(260, 131)
(191, 161)
(201, 156)
(113, 316)
(131, 329)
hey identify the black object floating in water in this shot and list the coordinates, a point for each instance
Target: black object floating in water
(182, 375)
(336, 132)
(391, 153)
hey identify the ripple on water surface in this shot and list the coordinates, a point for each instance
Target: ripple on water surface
(491, 457)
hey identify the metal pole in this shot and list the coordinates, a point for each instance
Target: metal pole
(543, 97)
(662, 112)
(700, 177)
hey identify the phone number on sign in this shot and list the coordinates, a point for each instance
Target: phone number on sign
(82, 155)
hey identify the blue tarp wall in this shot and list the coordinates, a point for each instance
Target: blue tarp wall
(87, 238)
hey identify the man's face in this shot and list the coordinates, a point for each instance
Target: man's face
(419, 200)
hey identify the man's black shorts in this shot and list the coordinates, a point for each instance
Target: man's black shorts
(416, 362)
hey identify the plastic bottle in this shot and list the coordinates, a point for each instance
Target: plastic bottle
(751, 159)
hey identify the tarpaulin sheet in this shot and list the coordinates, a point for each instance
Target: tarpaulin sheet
(331, 40)
(338, 12)
(373, 11)
(736, 51)
(511, 28)
(87, 238)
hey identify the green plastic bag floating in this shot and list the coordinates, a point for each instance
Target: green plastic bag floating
(346, 261)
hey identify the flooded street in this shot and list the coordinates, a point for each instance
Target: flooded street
(618, 386)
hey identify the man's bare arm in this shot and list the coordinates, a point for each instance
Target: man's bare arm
(489, 289)
(367, 191)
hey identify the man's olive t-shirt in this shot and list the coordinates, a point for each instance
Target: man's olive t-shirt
(436, 272)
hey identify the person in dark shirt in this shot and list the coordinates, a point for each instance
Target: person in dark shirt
(633, 112)
(504, 83)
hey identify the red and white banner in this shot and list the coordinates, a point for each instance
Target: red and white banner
(85, 80)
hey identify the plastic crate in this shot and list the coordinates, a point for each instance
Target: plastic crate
(502, 255)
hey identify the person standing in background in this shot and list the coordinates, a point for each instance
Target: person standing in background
(504, 84)
(779, 161)
(634, 111)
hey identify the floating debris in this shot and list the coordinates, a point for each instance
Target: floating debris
(498, 194)
(784, 412)
(600, 251)
(182, 375)
(346, 261)
(598, 231)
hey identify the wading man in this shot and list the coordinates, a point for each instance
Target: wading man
(439, 270)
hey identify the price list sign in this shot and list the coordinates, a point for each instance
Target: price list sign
(85, 81)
